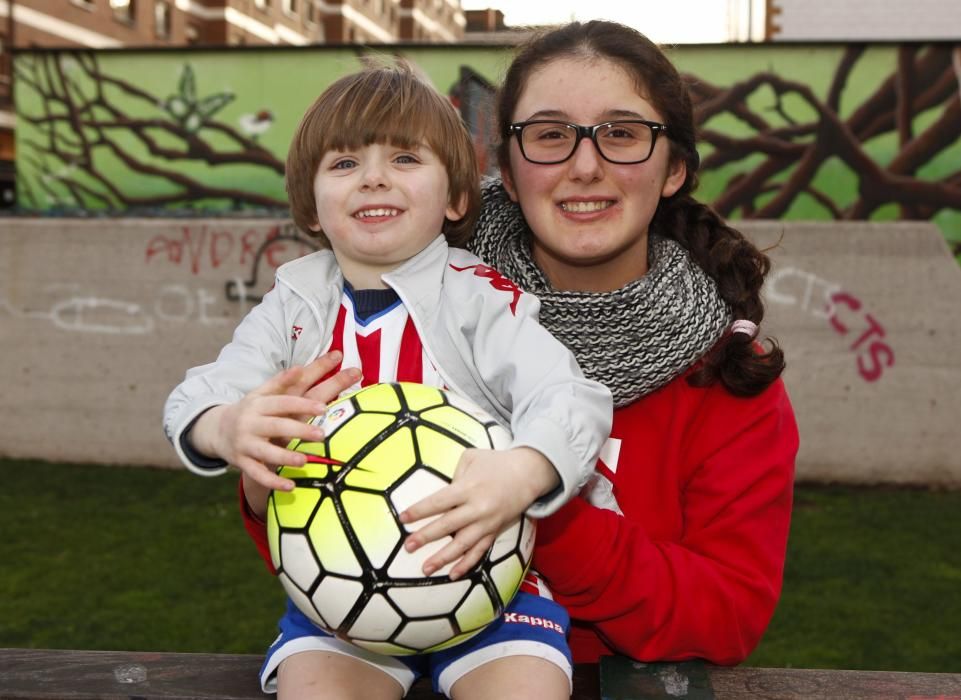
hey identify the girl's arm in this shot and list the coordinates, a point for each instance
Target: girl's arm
(255, 525)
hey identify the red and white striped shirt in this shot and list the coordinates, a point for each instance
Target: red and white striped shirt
(385, 345)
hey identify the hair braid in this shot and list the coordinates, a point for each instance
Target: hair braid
(738, 268)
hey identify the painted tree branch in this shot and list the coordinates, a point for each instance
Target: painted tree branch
(710, 101)
(848, 61)
(67, 109)
(835, 137)
(876, 114)
(744, 189)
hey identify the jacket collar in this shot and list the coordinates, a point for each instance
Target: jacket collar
(417, 280)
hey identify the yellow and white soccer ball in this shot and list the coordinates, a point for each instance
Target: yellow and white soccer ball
(336, 540)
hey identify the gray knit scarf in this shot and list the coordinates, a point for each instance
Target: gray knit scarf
(634, 339)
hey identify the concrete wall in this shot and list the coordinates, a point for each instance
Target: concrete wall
(870, 318)
(100, 318)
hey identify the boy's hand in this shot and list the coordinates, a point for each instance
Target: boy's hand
(490, 489)
(245, 433)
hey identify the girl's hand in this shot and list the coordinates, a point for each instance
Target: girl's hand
(490, 489)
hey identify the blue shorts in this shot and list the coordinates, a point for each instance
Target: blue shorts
(531, 626)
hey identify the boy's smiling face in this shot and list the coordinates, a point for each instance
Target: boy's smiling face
(379, 205)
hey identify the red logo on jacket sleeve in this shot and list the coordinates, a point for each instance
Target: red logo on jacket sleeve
(497, 281)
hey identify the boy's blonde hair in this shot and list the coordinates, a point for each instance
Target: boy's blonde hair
(383, 104)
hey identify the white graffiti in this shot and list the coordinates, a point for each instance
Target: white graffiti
(78, 312)
(790, 286)
(844, 312)
(176, 302)
(240, 291)
(97, 315)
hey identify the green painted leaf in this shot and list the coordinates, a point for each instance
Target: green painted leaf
(214, 103)
(188, 85)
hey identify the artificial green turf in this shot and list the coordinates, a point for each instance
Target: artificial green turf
(121, 558)
(873, 581)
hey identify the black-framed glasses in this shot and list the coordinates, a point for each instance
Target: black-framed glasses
(623, 141)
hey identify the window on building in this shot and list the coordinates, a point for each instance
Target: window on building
(6, 65)
(124, 10)
(290, 6)
(161, 18)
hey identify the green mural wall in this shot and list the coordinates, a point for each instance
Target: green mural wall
(787, 131)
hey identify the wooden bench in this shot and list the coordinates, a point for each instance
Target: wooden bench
(35, 674)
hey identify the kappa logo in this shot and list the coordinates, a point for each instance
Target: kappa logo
(533, 621)
(295, 332)
(497, 281)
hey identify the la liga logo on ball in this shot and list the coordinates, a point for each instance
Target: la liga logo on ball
(336, 539)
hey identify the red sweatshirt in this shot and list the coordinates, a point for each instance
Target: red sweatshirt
(693, 567)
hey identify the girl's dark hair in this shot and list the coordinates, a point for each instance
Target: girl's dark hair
(735, 264)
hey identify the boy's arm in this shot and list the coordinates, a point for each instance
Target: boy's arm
(253, 494)
(258, 350)
(251, 433)
(559, 421)
(236, 409)
(490, 489)
(555, 410)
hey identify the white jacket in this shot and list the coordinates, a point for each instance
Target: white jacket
(479, 330)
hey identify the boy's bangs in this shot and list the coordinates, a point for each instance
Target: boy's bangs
(390, 131)
(401, 120)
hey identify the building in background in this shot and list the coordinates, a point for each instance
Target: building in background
(389, 21)
(137, 23)
(862, 20)
(487, 27)
(746, 20)
(843, 21)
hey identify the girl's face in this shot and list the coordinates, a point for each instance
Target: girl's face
(590, 217)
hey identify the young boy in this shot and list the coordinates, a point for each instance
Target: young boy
(382, 170)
